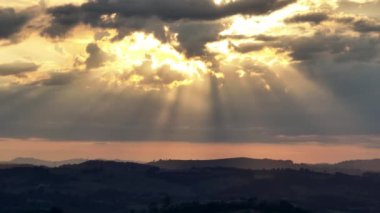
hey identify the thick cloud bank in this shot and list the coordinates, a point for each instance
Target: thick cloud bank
(11, 22)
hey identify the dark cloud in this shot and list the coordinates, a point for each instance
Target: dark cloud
(58, 79)
(173, 10)
(367, 26)
(12, 22)
(360, 24)
(364, 15)
(193, 36)
(126, 26)
(335, 47)
(64, 18)
(110, 13)
(320, 45)
(17, 68)
(314, 18)
(97, 57)
(198, 18)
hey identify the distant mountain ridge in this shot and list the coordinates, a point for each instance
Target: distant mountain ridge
(368, 165)
(28, 161)
(38, 162)
(348, 167)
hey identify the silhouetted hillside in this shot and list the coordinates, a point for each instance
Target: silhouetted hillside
(9, 165)
(363, 165)
(240, 163)
(354, 167)
(348, 167)
(250, 205)
(116, 187)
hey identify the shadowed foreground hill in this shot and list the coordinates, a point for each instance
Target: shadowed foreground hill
(113, 187)
(239, 163)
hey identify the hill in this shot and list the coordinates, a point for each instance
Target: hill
(239, 163)
(363, 165)
(38, 162)
(118, 187)
(347, 167)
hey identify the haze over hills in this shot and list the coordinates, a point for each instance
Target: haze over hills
(364, 165)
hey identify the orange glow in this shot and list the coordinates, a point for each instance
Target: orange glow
(148, 151)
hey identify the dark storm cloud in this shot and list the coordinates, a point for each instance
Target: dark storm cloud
(185, 9)
(64, 18)
(193, 36)
(358, 23)
(11, 22)
(67, 16)
(314, 18)
(321, 45)
(126, 26)
(17, 68)
(336, 47)
(198, 18)
(367, 26)
(97, 57)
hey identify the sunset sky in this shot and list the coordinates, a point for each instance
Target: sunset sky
(149, 79)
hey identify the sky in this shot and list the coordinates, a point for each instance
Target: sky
(283, 79)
